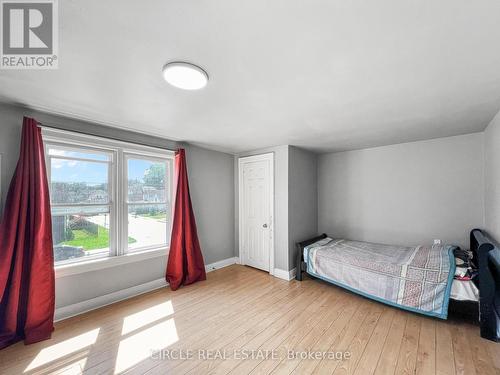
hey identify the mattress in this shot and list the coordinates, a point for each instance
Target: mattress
(461, 290)
(417, 279)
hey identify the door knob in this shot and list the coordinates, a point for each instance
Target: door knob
(264, 226)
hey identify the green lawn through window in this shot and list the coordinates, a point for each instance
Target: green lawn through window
(90, 241)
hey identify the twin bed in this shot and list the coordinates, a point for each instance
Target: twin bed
(418, 279)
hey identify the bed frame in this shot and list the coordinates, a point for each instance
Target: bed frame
(486, 256)
(300, 264)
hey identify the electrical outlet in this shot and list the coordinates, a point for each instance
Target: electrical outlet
(437, 242)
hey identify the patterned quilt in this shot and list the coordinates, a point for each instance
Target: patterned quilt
(413, 278)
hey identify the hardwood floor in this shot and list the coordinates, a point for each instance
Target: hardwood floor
(241, 312)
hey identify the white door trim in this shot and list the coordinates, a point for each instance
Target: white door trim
(249, 159)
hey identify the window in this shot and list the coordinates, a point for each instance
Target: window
(146, 201)
(107, 198)
(80, 198)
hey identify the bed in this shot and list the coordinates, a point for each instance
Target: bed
(418, 279)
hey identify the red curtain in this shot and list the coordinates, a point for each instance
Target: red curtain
(26, 258)
(185, 262)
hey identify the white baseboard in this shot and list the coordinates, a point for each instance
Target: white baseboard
(120, 295)
(285, 275)
(107, 299)
(221, 264)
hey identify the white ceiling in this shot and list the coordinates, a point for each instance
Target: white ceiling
(327, 75)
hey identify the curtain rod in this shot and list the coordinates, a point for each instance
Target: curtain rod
(42, 125)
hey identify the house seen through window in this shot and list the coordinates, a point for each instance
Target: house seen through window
(107, 201)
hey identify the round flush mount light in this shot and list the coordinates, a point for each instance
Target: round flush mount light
(185, 75)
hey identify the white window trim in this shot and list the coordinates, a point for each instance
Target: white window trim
(108, 262)
(120, 150)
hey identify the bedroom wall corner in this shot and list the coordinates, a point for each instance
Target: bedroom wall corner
(492, 178)
(302, 198)
(211, 176)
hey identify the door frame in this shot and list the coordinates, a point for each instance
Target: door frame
(249, 159)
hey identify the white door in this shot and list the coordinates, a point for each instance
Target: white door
(256, 211)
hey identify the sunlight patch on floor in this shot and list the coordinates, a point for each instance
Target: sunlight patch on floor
(75, 368)
(139, 346)
(147, 316)
(63, 348)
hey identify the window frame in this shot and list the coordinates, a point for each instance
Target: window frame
(127, 155)
(113, 244)
(119, 152)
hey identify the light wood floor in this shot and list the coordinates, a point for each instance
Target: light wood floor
(239, 309)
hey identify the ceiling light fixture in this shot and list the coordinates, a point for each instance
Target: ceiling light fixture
(185, 75)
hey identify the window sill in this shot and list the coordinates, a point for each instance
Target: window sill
(98, 264)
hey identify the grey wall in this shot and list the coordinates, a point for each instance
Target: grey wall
(281, 239)
(211, 182)
(404, 194)
(492, 178)
(211, 176)
(10, 134)
(303, 198)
